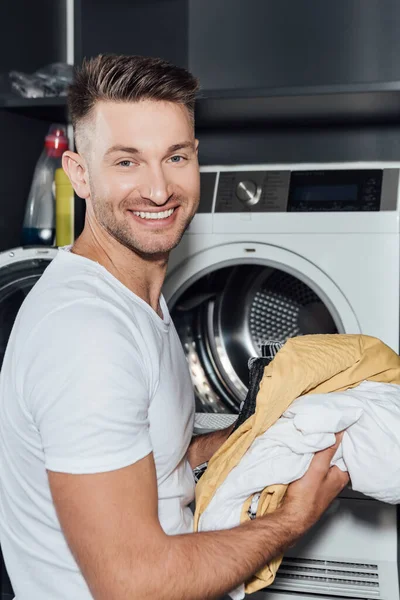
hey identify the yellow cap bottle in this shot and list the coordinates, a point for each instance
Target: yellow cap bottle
(64, 209)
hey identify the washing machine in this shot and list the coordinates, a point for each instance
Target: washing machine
(20, 269)
(277, 251)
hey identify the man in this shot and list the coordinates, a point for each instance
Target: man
(97, 409)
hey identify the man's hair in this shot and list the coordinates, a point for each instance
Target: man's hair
(116, 78)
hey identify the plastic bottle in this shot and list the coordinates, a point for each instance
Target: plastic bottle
(64, 209)
(39, 221)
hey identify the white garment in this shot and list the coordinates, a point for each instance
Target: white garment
(370, 450)
(90, 378)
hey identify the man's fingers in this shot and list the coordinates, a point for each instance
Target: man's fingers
(338, 478)
(314, 492)
(339, 437)
(322, 459)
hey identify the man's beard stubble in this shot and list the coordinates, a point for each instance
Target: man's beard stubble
(123, 234)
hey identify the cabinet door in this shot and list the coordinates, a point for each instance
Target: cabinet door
(146, 27)
(279, 43)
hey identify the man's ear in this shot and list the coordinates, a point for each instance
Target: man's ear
(75, 167)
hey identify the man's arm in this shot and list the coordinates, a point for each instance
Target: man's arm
(111, 524)
(202, 447)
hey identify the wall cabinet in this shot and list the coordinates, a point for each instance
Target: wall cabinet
(282, 81)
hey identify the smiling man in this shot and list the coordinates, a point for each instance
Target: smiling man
(96, 404)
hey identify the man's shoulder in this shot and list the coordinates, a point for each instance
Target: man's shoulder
(78, 329)
(65, 314)
(71, 293)
(78, 311)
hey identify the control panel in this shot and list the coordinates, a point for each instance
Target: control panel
(355, 190)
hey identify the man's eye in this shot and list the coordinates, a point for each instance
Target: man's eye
(125, 163)
(177, 159)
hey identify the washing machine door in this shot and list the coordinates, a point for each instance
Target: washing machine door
(227, 302)
(20, 269)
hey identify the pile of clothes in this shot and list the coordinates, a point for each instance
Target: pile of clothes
(314, 387)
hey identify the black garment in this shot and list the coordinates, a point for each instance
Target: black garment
(256, 372)
(248, 406)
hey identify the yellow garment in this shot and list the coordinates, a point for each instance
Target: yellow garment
(312, 364)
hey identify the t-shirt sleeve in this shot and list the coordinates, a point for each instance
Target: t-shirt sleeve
(86, 389)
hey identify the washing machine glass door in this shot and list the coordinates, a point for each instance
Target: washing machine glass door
(20, 269)
(226, 312)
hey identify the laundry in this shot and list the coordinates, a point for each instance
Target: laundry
(370, 450)
(308, 366)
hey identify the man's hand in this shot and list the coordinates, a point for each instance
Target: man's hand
(307, 498)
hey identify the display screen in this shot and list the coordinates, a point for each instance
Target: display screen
(335, 191)
(328, 193)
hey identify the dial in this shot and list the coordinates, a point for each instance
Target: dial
(248, 192)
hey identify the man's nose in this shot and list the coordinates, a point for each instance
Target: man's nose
(155, 188)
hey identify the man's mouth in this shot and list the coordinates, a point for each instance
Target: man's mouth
(154, 215)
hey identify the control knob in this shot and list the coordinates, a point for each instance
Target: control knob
(248, 192)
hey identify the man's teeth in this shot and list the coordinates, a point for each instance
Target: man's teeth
(154, 215)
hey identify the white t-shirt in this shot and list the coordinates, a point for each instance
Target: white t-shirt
(93, 380)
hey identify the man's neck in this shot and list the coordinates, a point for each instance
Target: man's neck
(144, 277)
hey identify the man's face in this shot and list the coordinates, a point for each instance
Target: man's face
(143, 173)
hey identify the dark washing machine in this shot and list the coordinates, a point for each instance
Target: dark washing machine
(20, 269)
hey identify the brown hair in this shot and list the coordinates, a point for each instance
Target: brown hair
(128, 79)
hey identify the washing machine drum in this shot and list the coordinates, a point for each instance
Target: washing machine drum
(226, 317)
(20, 269)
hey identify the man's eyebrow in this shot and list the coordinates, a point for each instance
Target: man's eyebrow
(132, 150)
(181, 146)
(120, 148)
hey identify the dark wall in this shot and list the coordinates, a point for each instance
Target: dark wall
(32, 34)
(24, 143)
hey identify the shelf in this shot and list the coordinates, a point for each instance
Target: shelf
(355, 104)
(51, 108)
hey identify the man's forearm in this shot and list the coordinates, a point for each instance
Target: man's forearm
(203, 566)
(146, 563)
(202, 447)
